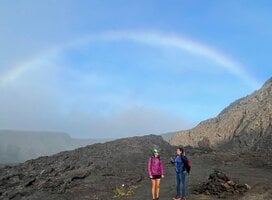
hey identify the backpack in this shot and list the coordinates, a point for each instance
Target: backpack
(187, 164)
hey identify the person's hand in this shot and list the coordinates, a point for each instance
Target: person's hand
(162, 176)
(150, 176)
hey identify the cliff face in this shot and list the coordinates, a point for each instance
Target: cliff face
(244, 124)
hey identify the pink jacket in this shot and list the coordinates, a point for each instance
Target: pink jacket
(155, 166)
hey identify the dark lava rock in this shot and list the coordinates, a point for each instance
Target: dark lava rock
(221, 186)
(91, 172)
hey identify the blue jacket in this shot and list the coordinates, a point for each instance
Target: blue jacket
(179, 163)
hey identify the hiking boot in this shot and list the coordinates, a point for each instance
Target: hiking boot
(177, 198)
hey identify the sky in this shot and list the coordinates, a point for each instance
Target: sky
(109, 69)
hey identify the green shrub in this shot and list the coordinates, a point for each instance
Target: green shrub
(124, 191)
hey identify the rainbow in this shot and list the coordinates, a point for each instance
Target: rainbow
(149, 38)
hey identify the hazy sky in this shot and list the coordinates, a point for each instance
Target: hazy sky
(121, 68)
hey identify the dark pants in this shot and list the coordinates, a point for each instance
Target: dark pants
(180, 178)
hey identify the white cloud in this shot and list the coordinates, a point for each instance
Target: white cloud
(135, 120)
(41, 99)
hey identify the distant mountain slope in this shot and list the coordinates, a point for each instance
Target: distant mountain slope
(19, 146)
(91, 172)
(167, 136)
(245, 124)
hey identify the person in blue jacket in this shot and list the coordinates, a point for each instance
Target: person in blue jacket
(179, 161)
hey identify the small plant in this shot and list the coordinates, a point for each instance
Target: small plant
(124, 191)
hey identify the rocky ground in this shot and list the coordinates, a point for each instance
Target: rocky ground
(117, 170)
(92, 172)
(239, 168)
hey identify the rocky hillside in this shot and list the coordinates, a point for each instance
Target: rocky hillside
(245, 124)
(92, 172)
(19, 146)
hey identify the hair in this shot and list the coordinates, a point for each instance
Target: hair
(181, 149)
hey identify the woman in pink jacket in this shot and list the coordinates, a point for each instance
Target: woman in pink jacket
(155, 173)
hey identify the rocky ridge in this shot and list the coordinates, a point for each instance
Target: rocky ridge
(243, 125)
(18, 146)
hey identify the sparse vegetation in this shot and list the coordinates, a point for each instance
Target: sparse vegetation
(124, 191)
